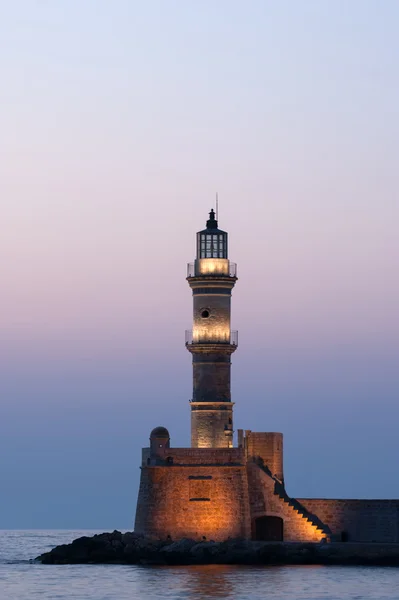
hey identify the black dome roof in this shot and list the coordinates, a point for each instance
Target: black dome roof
(160, 432)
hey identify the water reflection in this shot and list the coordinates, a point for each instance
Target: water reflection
(221, 581)
(212, 582)
(205, 581)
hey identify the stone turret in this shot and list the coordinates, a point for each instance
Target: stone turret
(159, 440)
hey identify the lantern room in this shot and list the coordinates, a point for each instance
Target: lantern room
(211, 242)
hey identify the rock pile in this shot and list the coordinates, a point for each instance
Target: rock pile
(132, 548)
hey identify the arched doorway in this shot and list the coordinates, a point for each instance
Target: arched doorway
(269, 529)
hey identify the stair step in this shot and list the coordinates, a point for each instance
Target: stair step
(280, 492)
(307, 518)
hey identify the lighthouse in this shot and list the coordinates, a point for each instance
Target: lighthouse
(212, 490)
(211, 341)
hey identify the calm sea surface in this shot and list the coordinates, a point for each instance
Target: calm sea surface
(20, 580)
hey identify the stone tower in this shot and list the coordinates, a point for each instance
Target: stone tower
(211, 342)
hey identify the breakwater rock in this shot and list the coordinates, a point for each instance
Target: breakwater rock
(131, 548)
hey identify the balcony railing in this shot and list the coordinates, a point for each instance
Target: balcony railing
(202, 336)
(212, 267)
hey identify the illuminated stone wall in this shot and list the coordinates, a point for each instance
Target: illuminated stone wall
(211, 425)
(215, 326)
(269, 447)
(212, 493)
(358, 520)
(193, 501)
(220, 493)
(198, 456)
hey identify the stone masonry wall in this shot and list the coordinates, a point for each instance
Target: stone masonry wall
(217, 325)
(358, 520)
(210, 424)
(211, 377)
(199, 456)
(269, 447)
(193, 501)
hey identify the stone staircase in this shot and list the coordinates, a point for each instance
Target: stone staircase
(301, 521)
(321, 529)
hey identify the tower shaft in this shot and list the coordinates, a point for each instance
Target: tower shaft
(211, 341)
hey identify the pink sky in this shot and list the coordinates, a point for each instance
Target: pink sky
(118, 127)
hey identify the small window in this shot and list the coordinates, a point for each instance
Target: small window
(205, 314)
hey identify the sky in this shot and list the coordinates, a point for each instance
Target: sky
(119, 123)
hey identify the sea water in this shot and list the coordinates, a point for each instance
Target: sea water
(21, 580)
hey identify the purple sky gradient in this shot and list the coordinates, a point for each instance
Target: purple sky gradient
(119, 123)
